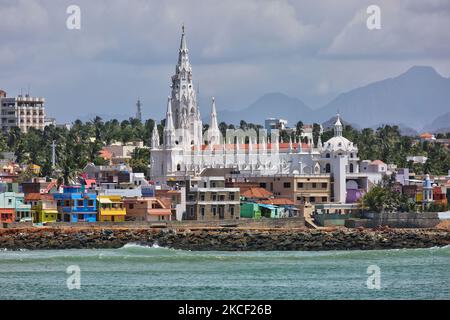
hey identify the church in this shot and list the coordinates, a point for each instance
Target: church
(187, 151)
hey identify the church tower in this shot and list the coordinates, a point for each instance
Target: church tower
(185, 111)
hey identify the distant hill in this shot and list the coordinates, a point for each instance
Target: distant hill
(275, 105)
(329, 124)
(439, 125)
(414, 98)
(411, 99)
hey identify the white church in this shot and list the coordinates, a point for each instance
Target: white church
(185, 151)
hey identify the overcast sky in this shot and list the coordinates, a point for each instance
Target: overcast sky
(240, 50)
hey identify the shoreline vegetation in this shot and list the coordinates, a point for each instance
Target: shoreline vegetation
(223, 239)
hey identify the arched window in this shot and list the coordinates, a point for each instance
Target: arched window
(327, 155)
(178, 167)
(351, 167)
(328, 168)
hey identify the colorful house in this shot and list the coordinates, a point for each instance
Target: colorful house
(271, 211)
(75, 205)
(148, 209)
(250, 210)
(43, 207)
(12, 206)
(111, 208)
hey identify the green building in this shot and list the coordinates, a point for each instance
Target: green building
(250, 210)
(271, 211)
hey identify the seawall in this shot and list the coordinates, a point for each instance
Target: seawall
(226, 239)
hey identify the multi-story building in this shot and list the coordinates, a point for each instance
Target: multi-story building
(111, 208)
(148, 209)
(13, 203)
(22, 111)
(299, 188)
(207, 198)
(76, 205)
(43, 207)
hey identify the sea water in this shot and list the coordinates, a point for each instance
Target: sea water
(137, 272)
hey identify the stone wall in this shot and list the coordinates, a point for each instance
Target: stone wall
(246, 223)
(222, 239)
(401, 219)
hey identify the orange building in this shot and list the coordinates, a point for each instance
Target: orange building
(7, 215)
(148, 209)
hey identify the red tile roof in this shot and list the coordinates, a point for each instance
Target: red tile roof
(228, 147)
(258, 193)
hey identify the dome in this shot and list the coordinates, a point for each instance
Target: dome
(339, 143)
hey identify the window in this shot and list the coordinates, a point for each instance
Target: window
(214, 211)
(67, 203)
(214, 197)
(312, 199)
(300, 185)
(327, 155)
(324, 199)
(221, 197)
(232, 210)
(314, 185)
(80, 203)
(191, 211)
(328, 168)
(202, 211)
(263, 185)
(324, 185)
(231, 196)
(90, 203)
(286, 185)
(178, 167)
(202, 197)
(131, 206)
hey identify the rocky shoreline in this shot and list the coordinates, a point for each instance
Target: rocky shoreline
(227, 239)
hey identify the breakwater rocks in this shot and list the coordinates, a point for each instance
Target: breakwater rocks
(223, 239)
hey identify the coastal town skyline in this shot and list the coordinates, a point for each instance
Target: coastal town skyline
(135, 165)
(272, 53)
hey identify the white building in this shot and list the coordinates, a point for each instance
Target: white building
(185, 152)
(22, 111)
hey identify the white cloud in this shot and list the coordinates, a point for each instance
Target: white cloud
(240, 49)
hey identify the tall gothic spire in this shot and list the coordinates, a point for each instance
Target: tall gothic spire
(214, 124)
(169, 130)
(155, 137)
(338, 127)
(183, 55)
(214, 132)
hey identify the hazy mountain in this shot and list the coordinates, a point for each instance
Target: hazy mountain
(271, 105)
(439, 125)
(411, 99)
(414, 98)
(329, 124)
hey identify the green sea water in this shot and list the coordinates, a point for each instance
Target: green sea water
(136, 272)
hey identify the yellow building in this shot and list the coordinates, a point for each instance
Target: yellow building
(111, 208)
(44, 208)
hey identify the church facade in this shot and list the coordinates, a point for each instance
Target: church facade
(186, 150)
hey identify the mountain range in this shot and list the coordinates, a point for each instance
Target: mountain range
(416, 100)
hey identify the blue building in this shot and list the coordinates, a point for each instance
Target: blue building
(76, 205)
